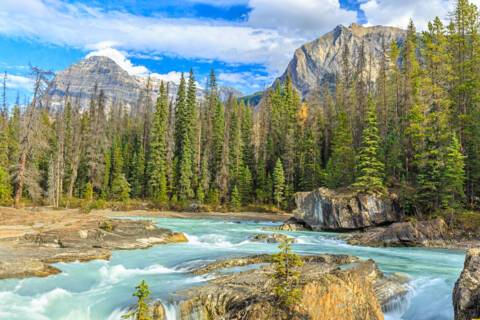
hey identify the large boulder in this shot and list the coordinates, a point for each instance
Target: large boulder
(325, 209)
(466, 294)
(429, 233)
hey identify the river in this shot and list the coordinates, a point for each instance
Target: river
(103, 289)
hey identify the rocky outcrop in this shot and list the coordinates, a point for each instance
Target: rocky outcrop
(270, 237)
(294, 224)
(91, 238)
(430, 233)
(97, 73)
(325, 209)
(466, 294)
(319, 61)
(333, 287)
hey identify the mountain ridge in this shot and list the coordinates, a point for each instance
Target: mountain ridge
(99, 73)
(319, 61)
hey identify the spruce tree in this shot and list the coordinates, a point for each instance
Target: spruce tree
(341, 164)
(157, 166)
(278, 183)
(141, 310)
(183, 158)
(235, 198)
(453, 179)
(5, 187)
(370, 168)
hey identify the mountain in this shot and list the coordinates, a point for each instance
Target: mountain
(80, 80)
(319, 61)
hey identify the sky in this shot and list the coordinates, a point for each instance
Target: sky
(248, 42)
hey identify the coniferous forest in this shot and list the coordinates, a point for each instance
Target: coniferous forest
(415, 130)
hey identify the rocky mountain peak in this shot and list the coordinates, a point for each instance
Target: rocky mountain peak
(80, 80)
(319, 61)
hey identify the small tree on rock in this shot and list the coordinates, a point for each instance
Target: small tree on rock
(141, 310)
(286, 276)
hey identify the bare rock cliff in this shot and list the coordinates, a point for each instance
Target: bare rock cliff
(319, 61)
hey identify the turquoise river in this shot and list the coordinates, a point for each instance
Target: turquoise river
(103, 289)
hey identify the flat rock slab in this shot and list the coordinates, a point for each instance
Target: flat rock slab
(66, 236)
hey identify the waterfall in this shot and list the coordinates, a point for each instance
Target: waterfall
(171, 311)
(318, 210)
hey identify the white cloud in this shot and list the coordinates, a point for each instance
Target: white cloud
(244, 80)
(81, 26)
(19, 82)
(305, 18)
(398, 13)
(172, 76)
(273, 30)
(121, 59)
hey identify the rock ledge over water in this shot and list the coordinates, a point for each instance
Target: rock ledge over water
(89, 238)
(334, 287)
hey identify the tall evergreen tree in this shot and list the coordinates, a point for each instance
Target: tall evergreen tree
(157, 166)
(341, 164)
(370, 168)
(278, 183)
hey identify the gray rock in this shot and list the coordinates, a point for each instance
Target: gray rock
(319, 61)
(270, 237)
(325, 209)
(466, 294)
(429, 233)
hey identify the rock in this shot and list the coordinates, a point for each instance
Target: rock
(330, 291)
(294, 224)
(325, 209)
(336, 259)
(158, 311)
(87, 239)
(318, 62)
(270, 237)
(430, 233)
(466, 294)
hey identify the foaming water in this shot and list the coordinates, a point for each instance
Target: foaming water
(103, 289)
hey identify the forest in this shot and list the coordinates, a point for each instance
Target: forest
(415, 131)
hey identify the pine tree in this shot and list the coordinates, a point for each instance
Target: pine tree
(341, 164)
(5, 187)
(278, 183)
(235, 199)
(370, 168)
(158, 163)
(286, 276)
(183, 157)
(245, 184)
(120, 188)
(141, 310)
(88, 192)
(453, 179)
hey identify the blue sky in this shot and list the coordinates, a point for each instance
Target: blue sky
(247, 42)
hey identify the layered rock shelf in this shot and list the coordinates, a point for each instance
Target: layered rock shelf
(333, 286)
(30, 251)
